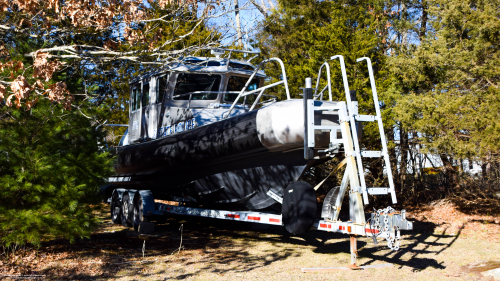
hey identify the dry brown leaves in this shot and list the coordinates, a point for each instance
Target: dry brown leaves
(21, 89)
(12, 65)
(81, 12)
(100, 15)
(2, 92)
(59, 93)
(446, 217)
(43, 68)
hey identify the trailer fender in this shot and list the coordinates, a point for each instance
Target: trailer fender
(148, 202)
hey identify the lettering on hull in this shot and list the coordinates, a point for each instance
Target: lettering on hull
(177, 128)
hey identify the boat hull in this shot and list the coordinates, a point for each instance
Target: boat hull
(232, 161)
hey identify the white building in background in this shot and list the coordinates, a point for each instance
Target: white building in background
(431, 163)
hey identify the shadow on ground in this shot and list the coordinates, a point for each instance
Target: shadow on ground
(219, 242)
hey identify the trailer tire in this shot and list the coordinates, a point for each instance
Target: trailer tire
(138, 215)
(299, 207)
(126, 210)
(116, 208)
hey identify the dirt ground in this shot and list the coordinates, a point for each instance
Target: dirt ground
(445, 244)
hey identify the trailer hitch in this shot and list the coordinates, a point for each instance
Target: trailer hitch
(388, 224)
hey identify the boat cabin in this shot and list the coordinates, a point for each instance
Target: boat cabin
(192, 93)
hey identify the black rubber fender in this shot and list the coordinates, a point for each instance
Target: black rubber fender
(299, 207)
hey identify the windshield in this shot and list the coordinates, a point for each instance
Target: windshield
(236, 83)
(162, 88)
(135, 98)
(188, 83)
(145, 95)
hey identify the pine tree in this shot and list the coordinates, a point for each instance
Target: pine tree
(452, 82)
(50, 170)
(51, 162)
(306, 33)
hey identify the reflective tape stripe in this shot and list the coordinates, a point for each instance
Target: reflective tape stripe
(371, 230)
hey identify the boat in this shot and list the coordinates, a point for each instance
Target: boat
(203, 136)
(203, 131)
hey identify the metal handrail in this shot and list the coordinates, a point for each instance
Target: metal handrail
(380, 125)
(257, 99)
(283, 81)
(225, 92)
(344, 78)
(329, 85)
(354, 132)
(229, 92)
(233, 50)
(116, 125)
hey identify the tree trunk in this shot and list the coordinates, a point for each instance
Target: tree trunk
(450, 172)
(403, 139)
(393, 157)
(486, 166)
(238, 23)
(423, 21)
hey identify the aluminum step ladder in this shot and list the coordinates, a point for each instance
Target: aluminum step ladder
(358, 154)
(350, 136)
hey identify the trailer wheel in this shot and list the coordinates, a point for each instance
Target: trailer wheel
(138, 212)
(126, 211)
(116, 210)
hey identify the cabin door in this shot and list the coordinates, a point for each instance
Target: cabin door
(134, 126)
(152, 110)
(161, 94)
(146, 111)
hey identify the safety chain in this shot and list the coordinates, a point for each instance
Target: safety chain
(392, 242)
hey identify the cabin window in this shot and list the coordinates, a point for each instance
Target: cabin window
(188, 83)
(236, 83)
(162, 88)
(134, 102)
(236, 65)
(201, 62)
(145, 95)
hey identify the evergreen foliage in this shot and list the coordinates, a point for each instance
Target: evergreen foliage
(50, 171)
(436, 73)
(307, 33)
(51, 165)
(451, 81)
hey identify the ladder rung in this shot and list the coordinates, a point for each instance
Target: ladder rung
(377, 190)
(326, 127)
(368, 153)
(365, 118)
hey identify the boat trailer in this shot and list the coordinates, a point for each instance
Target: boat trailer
(384, 223)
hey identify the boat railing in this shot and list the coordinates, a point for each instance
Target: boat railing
(329, 85)
(190, 94)
(261, 90)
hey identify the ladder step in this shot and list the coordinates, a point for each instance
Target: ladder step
(326, 127)
(371, 153)
(377, 190)
(365, 118)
